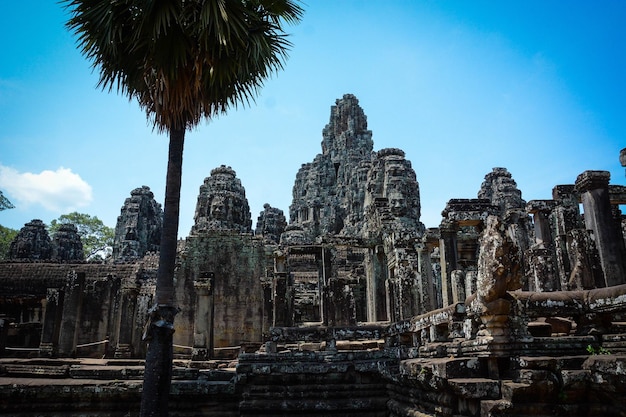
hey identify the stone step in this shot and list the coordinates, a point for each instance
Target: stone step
(614, 343)
(106, 372)
(477, 388)
(34, 370)
(444, 367)
(504, 408)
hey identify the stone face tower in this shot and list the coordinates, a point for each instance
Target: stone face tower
(218, 286)
(222, 203)
(32, 242)
(500, 187)
(67, 244)
(270, 224)
(138, 228)
(333, 194)
(328, 193)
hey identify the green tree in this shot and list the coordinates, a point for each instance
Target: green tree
(5, 203)
(183, 61)
(6, 237)
(95, 236)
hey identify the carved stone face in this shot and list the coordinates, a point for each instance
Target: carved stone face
(218, 209)
(397, 203)
(132, 218)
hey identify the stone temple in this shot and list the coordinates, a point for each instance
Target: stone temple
(346, 306)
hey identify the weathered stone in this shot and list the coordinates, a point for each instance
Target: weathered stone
(271, 224)
(67, 245)
(222, 203)
(593, 186)
(32, 242)
(138, 228)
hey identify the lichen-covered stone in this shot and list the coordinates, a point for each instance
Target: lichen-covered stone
(271, 223)
(67, 244)
(138, 228)
(500, 188)
(32, 242)
(222, 203)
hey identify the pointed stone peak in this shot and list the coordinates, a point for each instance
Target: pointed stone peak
(347, 129)
(501, 189)
(222, 203)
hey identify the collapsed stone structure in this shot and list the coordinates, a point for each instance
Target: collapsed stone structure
(351, 308)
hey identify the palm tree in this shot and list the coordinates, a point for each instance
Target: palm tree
(184, 61)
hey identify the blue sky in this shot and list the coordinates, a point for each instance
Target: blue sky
(538, 87)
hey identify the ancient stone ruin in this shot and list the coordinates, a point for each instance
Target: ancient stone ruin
(32, 242)
(351, 308)
(138, 228)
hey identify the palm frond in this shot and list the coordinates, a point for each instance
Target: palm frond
(183, 60)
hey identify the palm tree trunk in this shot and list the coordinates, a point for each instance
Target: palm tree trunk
(158, 369)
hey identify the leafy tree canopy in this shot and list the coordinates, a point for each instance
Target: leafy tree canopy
(6, 237)
(96, 237)
(5, 203)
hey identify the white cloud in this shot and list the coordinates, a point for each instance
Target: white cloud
(59, 191)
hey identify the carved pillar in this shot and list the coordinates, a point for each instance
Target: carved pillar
(425, 279)
(376, 275)
(324, 275)
(281, 310)
(594, 189)
(543, 274)
(449, 257)
(565, 217)
(457, 281)
(128, 303)
(390, 288)
(408, 283)
(72, 306)
(203, 322)
(51, 323)
(470, 280)
(541, 209)
(280, 288)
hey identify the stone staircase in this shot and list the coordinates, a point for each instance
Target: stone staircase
(111, 388)
(589, 385)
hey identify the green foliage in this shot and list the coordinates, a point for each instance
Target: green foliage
(96, 237)
(183, 60)
(5, 203)
(6, 237)
(597, 351)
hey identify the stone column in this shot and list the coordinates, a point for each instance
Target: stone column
(51, 323)
(407, 276)
(544, 276)
(203, 322)
(281, 312)
(376, 272)
(426, 279)
(390, 289)
(540, 209)
(457, 281)
(594, 189)
(565, 218)
(281, 308)
(72, 306)
(325, 273)
(449, 258)
(128, 302)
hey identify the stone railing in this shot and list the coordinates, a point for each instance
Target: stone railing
(326, 338)
(594, 316)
